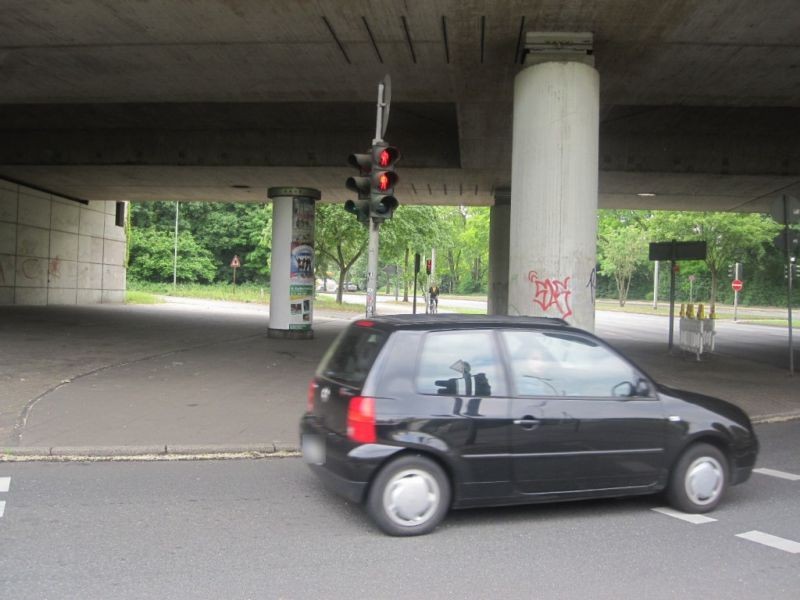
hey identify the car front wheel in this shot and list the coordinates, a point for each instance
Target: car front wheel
(409, 496)
(699, 479)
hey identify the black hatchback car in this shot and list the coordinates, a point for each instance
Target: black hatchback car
(416, 415)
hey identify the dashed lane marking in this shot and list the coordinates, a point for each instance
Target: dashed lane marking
(773, 541)
(689, 518)
(780, 474)
(5, 484)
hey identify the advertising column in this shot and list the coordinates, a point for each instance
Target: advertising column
(291, 305)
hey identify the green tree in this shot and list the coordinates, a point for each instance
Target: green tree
(621, 248)
(339, 240)
(152, 252)
(729, 237)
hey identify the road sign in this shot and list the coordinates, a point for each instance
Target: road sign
(737, 285)
(677, 250)
(691, 278)
(236, 263)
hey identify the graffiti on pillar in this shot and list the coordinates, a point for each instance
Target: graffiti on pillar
(30, 268)
(592, 284)
(552, 294)
(54, 268)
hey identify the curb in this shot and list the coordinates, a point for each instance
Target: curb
(167, 452)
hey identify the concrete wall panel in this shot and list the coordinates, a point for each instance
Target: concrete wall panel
(113, 296)
(33, 241)
(56, 251)
(7, 270)
(34, 210)
(114, 231)
(8, 205)
(113, 278)
(89, 297)
(36, 296)
(66, 217)
(65, 296)
(62, 273)
(8, 238)
(31, 272)
(92, 222)
(113, 252)
(90, 249)
(64, 245)
(90, 276)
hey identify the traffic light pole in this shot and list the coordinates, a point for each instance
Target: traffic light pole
(375, 224)
(372, 266)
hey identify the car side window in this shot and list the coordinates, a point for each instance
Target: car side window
(460, 363)
(547, 363)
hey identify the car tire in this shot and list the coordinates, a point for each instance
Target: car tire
(699, 479)
(409, 496)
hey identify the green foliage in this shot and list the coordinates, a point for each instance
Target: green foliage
(339, 241)
(223, 229)
(152, 254)
(621, 248)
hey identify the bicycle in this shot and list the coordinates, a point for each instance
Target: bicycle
(433, 305)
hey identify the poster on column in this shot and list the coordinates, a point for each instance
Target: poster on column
(301, 287)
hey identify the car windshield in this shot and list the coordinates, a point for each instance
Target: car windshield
(350, 357)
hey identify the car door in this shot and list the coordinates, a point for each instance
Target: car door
(583, 417)
(462, 382)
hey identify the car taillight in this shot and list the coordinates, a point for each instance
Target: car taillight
(361, 419)
(312, 391)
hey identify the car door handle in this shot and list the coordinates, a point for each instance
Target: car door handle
(527, 422)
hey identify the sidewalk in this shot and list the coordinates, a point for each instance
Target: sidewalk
(201, 377)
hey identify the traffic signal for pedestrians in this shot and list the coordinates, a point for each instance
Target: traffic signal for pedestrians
(360, 184)
(382, 180)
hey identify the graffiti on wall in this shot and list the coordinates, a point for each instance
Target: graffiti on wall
(592, 284)
(552, 294)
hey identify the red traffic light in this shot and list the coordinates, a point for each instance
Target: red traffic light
(428, 266)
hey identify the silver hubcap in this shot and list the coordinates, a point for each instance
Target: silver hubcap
(411, 497)
(704, 480)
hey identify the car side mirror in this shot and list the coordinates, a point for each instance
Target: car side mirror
(623, 390)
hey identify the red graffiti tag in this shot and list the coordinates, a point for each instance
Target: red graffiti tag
(552, 292)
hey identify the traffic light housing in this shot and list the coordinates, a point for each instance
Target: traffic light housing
(383, 178)
(731, 272)
(428, 266)
(360, 184)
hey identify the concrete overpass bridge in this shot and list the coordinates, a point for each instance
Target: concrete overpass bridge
(683, 104)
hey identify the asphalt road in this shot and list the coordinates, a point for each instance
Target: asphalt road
(268, 529)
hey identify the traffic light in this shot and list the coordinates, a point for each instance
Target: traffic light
(428, 266)
(359, 184)
(731, 272)
(382, 180)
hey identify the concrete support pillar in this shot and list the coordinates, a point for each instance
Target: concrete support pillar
(499, 231)
(291, 303)
(554, 176)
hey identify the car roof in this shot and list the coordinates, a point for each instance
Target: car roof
(456, 321)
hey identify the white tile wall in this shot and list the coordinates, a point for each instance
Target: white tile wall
(56, 251)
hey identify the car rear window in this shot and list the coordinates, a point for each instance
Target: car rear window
(351, 356)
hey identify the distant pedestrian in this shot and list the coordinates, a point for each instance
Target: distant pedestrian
(433, 298)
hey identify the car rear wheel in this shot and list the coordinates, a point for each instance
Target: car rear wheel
(699, 479)
(409, 496)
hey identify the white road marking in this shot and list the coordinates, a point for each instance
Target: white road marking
(689, 518)
(5, 484)
(781, 474)
(773, 541)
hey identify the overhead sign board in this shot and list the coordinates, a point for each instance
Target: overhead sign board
(677, 250)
